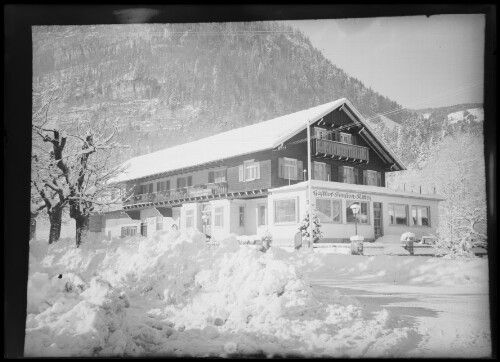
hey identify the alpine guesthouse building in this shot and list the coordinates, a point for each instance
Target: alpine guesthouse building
(252, 180)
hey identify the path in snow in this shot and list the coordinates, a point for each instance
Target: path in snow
(445, 321)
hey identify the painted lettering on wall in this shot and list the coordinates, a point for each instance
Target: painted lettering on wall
(338, 194)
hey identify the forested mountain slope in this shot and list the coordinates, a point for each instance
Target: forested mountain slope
(167, 84)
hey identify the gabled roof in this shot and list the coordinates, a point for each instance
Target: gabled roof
(237, 142)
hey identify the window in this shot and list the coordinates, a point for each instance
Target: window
(128, 231)
(348, 174)
(217, 176)
(285, 211)
(290, 168)
(363, 215)
(147, 189)
(345, 138)
(219, 216)
(220, 176)
(159, 223)
(398, 214)
(262, 215)
(163, 186)
(320, 172)
(421, 215)
(189, 218)
(250, 170)
(372, 178)
(184, 181)
(328, 210)
(320, 133)
(242, 216)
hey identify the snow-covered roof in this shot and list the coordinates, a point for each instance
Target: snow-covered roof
(355, 188)
(476, 115)
(237, 142)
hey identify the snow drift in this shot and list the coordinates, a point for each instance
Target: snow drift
(171, 295)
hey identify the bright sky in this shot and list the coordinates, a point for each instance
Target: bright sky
(417, 61)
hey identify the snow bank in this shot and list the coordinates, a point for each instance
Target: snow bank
(170, 295)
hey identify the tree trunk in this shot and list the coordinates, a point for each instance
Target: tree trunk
(55, 218)
(33, 225)
(82, 228)
(80, 213)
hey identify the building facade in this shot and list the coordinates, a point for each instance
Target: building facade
(254, 179)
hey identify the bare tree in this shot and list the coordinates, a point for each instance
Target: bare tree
(46, 187)
(74, 171)
(37, 205)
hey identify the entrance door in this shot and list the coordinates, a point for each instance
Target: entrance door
(377, 219)
(144, 229)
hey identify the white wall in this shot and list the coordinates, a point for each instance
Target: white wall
(149, 216)
(197, 225)
(219, 233)
(284, 233)
(251, 216)
(235, 227)
(419, 231)
(113, 227)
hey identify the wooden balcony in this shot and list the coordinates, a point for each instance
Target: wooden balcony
(334, 149)
(184, 193)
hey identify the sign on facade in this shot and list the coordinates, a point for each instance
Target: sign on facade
(343, 195)
(201, 192)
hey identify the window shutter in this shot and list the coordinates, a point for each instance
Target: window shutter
(280, 167)
(240, 173)
(179, 182)
(257, 176)
(328, 176)
(336, 136)
(365, 177)
(356, 175)
(151, 188)
(167, 185)
(354, 140)
(190, 181)
(300, 170)
(211, 177)
(158, 186)
(341, 174)
(379, 178)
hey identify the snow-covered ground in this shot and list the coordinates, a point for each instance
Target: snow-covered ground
(171, 295)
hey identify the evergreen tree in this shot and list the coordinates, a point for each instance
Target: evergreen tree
(316, 227)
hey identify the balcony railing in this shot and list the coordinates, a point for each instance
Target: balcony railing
(334, 148)
(177, 194)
